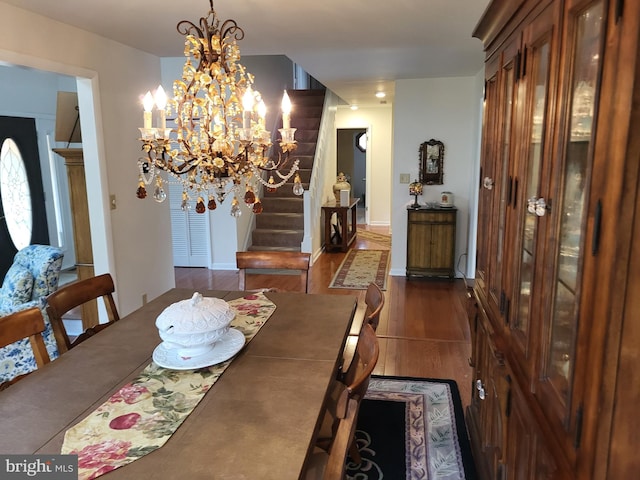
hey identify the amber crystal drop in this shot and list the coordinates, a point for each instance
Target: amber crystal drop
(141, 192)
(249, 197)
(257, 207)
(200, 205)
(212, 204)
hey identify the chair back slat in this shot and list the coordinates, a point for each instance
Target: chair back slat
(273, 260)
(365, 358)
(23, 324)
(374, 299)
(74, 295)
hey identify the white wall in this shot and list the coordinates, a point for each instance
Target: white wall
(379, 122)
(444, 109)
(131, 242)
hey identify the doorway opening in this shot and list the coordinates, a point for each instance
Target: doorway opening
(352, 161)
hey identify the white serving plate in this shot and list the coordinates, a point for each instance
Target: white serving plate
(225, 348)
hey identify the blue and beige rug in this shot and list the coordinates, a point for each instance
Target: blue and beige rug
(410, 428)
(362, 267)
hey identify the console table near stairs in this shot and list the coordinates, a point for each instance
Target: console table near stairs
(338, 236)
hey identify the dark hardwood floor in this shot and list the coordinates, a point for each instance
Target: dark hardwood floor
(423, 330)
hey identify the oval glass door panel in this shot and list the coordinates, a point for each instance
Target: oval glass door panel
(15, 194)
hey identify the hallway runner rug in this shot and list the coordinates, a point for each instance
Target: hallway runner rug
(379, 238)
(412, 428)
(362, 267)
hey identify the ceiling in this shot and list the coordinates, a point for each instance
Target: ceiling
(354, 47)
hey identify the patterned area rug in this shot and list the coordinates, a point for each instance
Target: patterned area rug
(410, 428)
(379, 238)
(361, 267)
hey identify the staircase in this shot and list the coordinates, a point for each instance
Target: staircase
(281, 225)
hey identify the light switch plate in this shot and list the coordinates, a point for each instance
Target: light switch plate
(405, 178)
(112, 202)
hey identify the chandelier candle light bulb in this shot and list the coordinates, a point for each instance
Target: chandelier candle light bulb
(147, 103)
(161, 102)
(247, 105)
(286, 111)
(218, 144)
(262, 113)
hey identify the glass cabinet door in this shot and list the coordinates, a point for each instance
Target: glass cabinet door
(570, 206)
(487, 175)
(537, 92)
(503, 177)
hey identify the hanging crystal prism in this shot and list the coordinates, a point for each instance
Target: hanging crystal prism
(235, 208)
(159, 195)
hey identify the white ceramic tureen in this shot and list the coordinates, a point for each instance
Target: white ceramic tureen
(193, 326)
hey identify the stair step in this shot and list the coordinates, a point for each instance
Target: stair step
(271, 248)
(305, 123)
(307, 97)
(305, 148)
(277, 237)
(283, 205)
(305, 111)
(285, 191)
(269, 220)
(304, 161)
(307, 136)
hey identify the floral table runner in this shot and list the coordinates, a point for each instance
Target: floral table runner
(144, 413)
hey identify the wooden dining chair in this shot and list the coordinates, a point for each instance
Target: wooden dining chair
(22, 324)
(266, 264)
(75, 294)
(323, 465)
(374, 299)
(353, 387)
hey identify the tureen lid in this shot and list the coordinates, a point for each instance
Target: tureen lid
(195, 315)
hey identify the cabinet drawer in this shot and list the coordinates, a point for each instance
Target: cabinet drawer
(432, 217)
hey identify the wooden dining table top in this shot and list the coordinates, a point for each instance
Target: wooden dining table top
(258, 421)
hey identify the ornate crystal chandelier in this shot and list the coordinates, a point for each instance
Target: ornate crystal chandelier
(219, 146)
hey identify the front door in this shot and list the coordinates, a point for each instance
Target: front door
(23, 218)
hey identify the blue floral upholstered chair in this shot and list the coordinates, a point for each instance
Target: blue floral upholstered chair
(33, 275)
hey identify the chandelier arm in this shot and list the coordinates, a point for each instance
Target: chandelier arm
(230, 28)
(187, 27)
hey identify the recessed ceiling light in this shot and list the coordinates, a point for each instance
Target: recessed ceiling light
(381, 94)
(354, 107)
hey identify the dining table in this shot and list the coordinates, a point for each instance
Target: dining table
(258, 421)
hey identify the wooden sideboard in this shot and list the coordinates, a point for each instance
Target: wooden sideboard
(431, 241)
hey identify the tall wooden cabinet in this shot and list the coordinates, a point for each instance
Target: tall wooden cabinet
(554, 310)
(74, 161)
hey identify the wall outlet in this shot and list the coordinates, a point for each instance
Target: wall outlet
(405, 178)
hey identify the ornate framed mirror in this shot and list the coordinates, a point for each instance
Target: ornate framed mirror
(431, 162)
